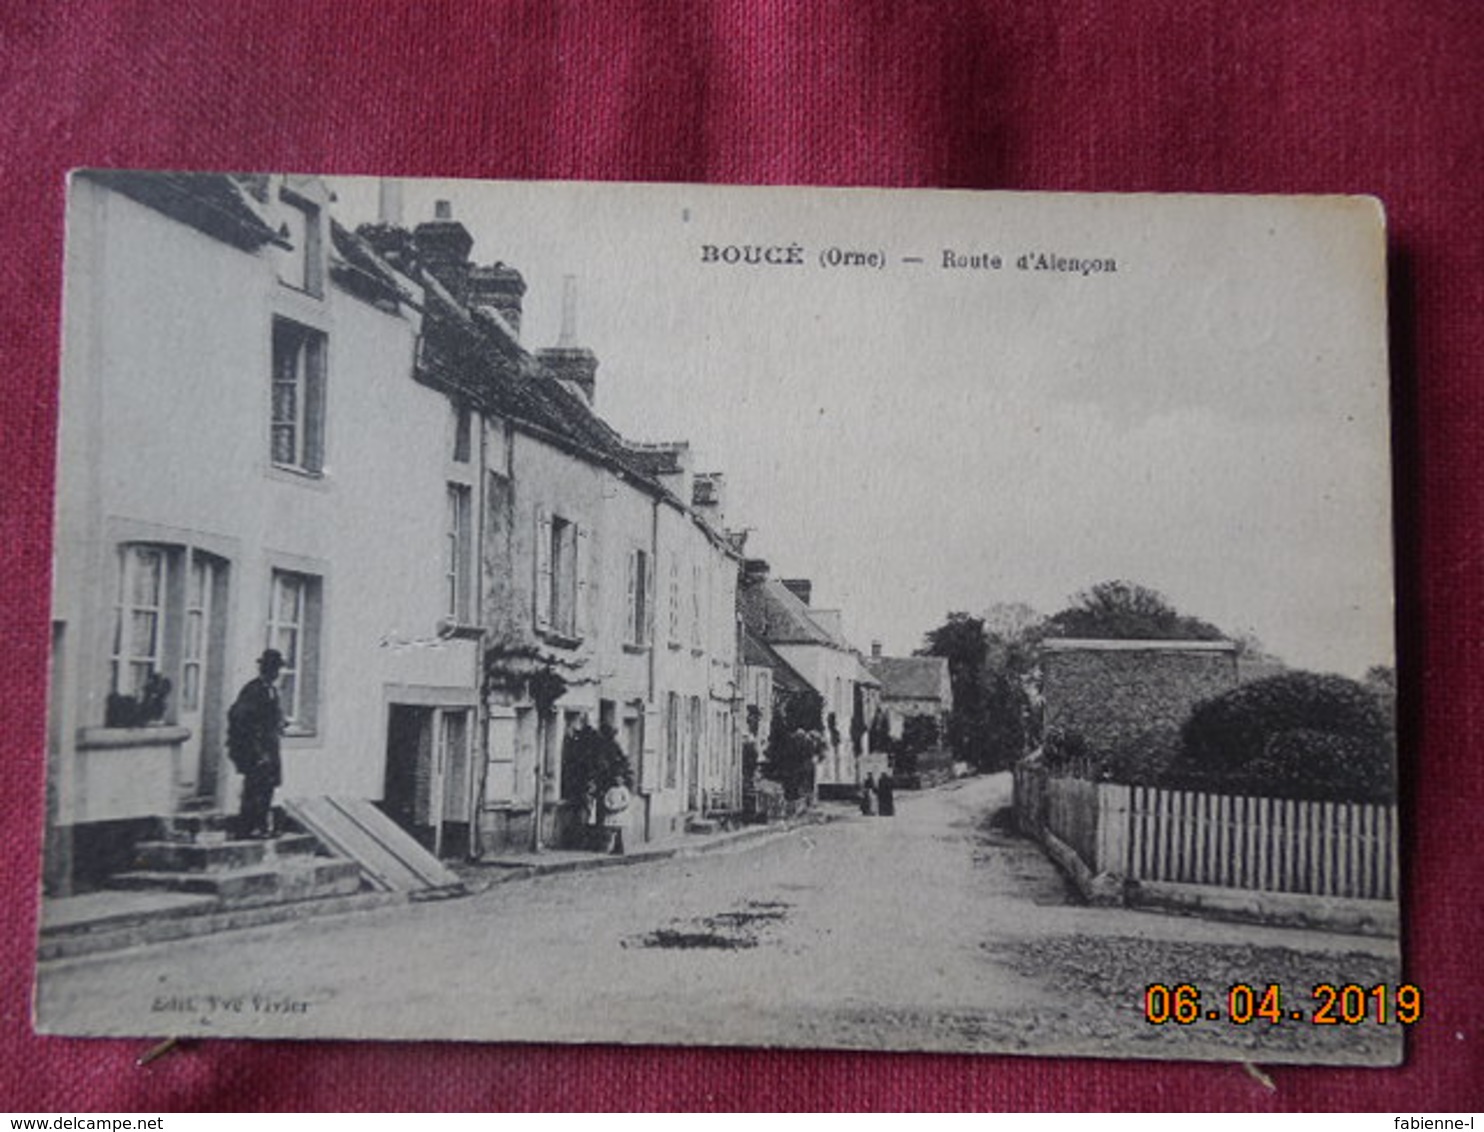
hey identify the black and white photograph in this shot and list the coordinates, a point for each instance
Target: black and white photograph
(689, 615)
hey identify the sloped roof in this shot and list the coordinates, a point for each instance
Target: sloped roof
(354, 264)
(214, 203)
(762, 655)
(912, 677)
(773, 613)
(473, 353)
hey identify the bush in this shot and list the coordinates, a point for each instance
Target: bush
(791, 761)
(1295, 735)
(920, 733)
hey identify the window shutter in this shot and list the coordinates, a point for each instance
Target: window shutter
(499, 777)
(314, 402)
(649, 754)
(633, 606)
(647, 629)
(543, 570)
(580, 543)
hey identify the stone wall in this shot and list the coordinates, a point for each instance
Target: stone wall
(1123, 694)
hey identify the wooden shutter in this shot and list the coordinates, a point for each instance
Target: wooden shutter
(580, 547)
(647, 629)
(543, 570)
(631, 630)
(649, 755)
(499, 777)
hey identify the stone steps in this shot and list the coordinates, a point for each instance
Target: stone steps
(279, 881)
(217, 856)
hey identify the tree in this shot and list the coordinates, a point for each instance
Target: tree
(920, 733)
(1122, 610)
(961, 640)
(991, 666)
(1296, 735)
(1012, 632)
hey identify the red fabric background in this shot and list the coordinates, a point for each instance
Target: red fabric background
(1297, 96)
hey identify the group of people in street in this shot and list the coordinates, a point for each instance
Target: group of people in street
(877, 796)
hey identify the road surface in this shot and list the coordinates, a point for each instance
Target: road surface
(933, 929)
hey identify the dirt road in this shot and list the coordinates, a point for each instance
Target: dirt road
(934, 929)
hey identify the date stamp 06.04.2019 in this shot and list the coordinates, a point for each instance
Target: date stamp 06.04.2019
(1325, 1004)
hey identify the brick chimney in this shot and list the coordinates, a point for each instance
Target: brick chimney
(801, 588)
(567, 361)
(875, 650)
(709, 497)
(500, 288)
(443, 245)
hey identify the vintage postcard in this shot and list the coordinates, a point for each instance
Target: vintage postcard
(897, 620)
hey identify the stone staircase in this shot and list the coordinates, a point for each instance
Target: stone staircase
(196, 853)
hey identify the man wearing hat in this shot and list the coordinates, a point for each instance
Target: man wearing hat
(254, 726)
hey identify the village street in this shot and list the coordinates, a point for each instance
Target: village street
(936, 928)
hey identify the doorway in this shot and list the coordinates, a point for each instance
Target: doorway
(427, 782)
(202, 660)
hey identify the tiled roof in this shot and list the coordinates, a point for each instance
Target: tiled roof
(474, 354)
(761, 654)
(774, 614)
(214, 203)
(355, 265)
(911, 677)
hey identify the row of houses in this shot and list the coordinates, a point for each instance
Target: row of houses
(278, 432)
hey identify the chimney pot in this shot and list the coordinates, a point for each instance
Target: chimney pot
(875, 650)
(442, 210)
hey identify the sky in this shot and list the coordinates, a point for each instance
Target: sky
(1208, 419)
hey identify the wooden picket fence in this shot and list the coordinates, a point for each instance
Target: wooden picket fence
(1181, 836)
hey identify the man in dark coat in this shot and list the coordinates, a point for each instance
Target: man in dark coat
(254, 727)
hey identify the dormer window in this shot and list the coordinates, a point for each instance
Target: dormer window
(301, 264)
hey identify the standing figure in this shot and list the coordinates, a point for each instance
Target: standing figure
(615, 803)
(868, 806)
(254, 727)
(886, 805)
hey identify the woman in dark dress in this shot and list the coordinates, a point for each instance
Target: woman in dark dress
(886, 805)
(867, 806)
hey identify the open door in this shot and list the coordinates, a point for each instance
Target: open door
(427, 787)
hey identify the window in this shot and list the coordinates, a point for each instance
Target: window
(456, 555)
(301, 265)
(641, 597)
(561, 576)
(139, 618)
(463, 434)
(164, 648)
(293, 629)
(298, 421)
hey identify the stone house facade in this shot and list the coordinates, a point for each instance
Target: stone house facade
(779, 613)
(236, 373)
(912, 686)
(605, 575)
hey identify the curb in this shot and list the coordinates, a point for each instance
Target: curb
(498, 874)
(107, 939)
(82, 943)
